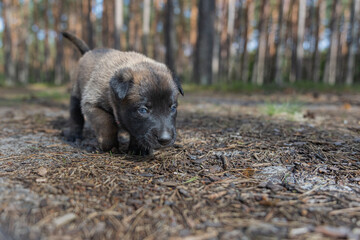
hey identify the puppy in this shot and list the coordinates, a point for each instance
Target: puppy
(114, 90)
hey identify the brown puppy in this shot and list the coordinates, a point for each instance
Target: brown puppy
(114, 89)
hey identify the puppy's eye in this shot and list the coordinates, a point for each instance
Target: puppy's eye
(143, 110)
(173, 108)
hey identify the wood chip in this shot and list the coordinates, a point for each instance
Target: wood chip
(62, 220)
(41, 180)
(217, 195)
(225, 162)
(336, 232)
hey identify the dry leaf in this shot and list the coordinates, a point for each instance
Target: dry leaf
(248, 172)
(347, 106)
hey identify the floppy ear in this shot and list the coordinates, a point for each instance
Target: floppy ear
(178, 84)
(120, 83)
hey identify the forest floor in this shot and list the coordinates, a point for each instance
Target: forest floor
(245, 166)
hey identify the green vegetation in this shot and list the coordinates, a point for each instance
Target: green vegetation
(191, 180)
(10, 95)
(2, 79)
(289, 108)
(51, 94)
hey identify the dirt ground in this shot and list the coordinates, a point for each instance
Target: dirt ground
(240, 169)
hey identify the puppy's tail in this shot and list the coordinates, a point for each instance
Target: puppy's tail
(80, 44)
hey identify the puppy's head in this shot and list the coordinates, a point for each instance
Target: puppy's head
(144, 99)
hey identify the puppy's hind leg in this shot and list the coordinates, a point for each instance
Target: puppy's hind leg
(76, 120)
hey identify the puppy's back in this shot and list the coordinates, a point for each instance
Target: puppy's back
(104, 64)
(85, 68)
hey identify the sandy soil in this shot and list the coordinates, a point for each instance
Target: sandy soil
(239, 170)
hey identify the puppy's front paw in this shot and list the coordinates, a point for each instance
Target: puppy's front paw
(71, 135)
(115, 150)
(108, 144)
(137, 149)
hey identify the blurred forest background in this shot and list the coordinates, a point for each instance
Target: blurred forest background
(231, 42)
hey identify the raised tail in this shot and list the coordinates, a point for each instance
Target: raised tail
(80, 44)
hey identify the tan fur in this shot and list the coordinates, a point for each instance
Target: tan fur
(97, 67)
(114, 89)
(92, 86)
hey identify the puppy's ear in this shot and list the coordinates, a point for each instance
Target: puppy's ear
(120, 83)
(178, 84)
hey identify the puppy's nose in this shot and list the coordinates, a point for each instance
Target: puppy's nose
(165, 138)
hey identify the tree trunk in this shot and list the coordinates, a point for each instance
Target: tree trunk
(344, 35)
(134, 26)
(193, 29)
(88, 34)
(300, 39)
(249, 16)
(154, 25)
(280, 43)
(330, 70)
(105, 24)
(10, 74)
(181, 38)
(170, 36)
(273, 40)
(76, 23)
(36, 61)
(77, 27)
(108, 24)
(318, 31)
(193, 22)
(24, 54)
(16, 36)
(218, 29)
(146, 25)
(46, 69)
(111, 21)
(59, 71)
(223, 57)
(355, 20)
(205, 42)
(119, 22)
(258, 75)
(294, 27)
(230, 34)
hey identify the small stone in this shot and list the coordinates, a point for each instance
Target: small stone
(304, 212)
(338, 143)
(43, 203)
(9, 114)
(42, 171)
(184, 192)
(215, 169)
(178, 146)
(100, 227)
(298, 231)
